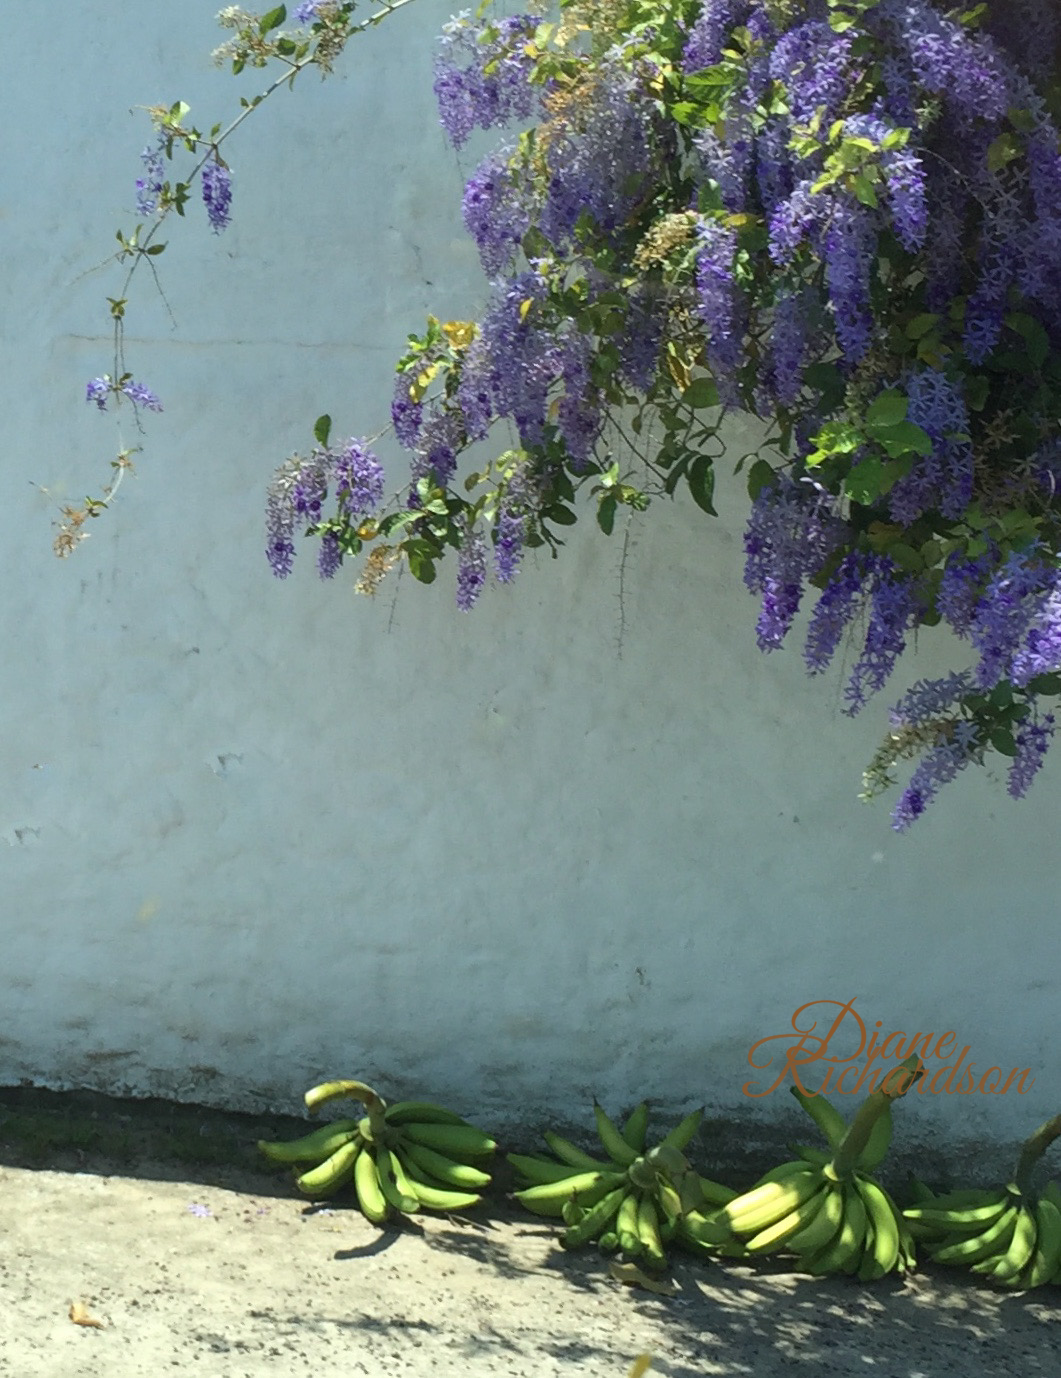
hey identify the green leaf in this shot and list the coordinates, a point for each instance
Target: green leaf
(869, 479)
(1046, 684)
(606, 513)
(701, 479)
(1003, 742)
(272, 19)
(906, 557)
(863, 189)
(1002, 151)
(760, 476)
(322, 428)
(1033, 334)
(701, 393)
(154, 249)
(921, 325)
(904, 438)
(888, 409)
(560, 515)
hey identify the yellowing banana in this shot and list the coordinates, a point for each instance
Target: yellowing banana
(311, 1148)
(335, 1172)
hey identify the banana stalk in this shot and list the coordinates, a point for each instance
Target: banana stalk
(854, 1142)
(1033, 1150)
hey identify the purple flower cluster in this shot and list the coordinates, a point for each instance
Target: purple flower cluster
(818, 68)
(1033, 742)
(602, 156)
(471, 565)
(523, 354)
(1013, 617)
(149, 186)
(788, 347)
(703, 47)
(904, 177)
(938, 767)
(481, 74)
(519, 503)
(297, 494)
(357, 477)
(948, 60)
(217, 194)
(849, 242)
(944, 479)
(497, 210)
(791, 532)
(719, 301)
(99, 390)
(894, 608)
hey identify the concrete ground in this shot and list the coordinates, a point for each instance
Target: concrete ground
(243, 1280)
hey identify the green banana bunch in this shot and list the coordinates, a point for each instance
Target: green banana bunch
(824, 1207)
(634, 1200)
(1009, 1234)
(401, 1158)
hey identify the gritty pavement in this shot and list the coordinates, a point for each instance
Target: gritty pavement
(223, 1282)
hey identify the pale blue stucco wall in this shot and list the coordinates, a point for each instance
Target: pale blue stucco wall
(259, 833)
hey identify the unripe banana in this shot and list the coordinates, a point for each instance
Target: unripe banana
(844, 1250)
(438, 1198)
(608, 1242)
(405, 1203)
(648, 1233)
(975, 1248)
(453, 1140)
(767, 1203)
(776, 1235)
(615, 1145)
(715, 1194)
(568, 1152)
(883, 1254)
(825, 1115)
(1021, 1246)
(635, 1130)
(683, 1133)
(594, 1220)
(311, 1148)
(420, 1112)
(370, 1196)
(626, 1225)
(334, 1173)
(540, 1170)
(547, 1198)
(444, 1170)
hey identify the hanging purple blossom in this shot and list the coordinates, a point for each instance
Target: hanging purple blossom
(406, 414)
(894, 604)
(941, 764)
(481, 75)
(791, 532)
(838, 605)
(849, 247)
(142, 396)
(1008, 609)
(1033, 740)
(98, 391)
(718, 298)
(471, 565)
(329, 556)
(717, 18)
(817, 68)
(357, 477)
(942, 480)
(149, 186)
(217, 194)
